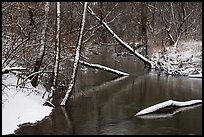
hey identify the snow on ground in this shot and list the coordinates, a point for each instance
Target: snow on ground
(186, 59)
(21, 105)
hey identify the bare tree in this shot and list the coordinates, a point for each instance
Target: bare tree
(41, 53)
(57, 57)
(76, 60)
(131, 50)
(179, 21)
(143, 31)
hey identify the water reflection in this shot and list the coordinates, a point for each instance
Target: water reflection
(109, 108)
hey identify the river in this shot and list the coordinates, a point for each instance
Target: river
(105, 105)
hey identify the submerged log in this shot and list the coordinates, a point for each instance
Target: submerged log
(97, 66)
(195, 76)
(167, 104)
(169, 113)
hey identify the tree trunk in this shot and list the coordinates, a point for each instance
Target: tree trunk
(76, 60)
(41, 53)
(57, 56)
(143, 33)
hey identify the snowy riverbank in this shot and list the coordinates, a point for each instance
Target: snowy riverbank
(20, 105)
(185, 60)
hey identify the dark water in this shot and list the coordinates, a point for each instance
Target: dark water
(103, 105)
(108, 108)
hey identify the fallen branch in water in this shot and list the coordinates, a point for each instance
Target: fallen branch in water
(169, 113)
(97, 66)
(167, 104)
(195, 76)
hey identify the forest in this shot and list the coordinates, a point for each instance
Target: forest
(38, 36)
(48, 43)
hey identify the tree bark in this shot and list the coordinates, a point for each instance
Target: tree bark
(41, 53)
(76, 60)
(57, 56)
(144, 8)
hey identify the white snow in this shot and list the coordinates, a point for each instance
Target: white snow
(167, 104)
(166, 115)
(195, 76)
(185, 59)
(12, 69)
(21, 105)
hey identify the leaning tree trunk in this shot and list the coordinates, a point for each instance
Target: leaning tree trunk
(41, 53)
(131, 50)
(76, 60)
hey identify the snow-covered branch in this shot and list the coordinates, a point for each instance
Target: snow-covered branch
(97, 66)
(168, 114)
(9, 69)
(167, 104)
(129, 48)
(195, 76)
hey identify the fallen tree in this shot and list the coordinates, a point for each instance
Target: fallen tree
(97, 66)
(167, 104)
(169, 113)
(125, 45)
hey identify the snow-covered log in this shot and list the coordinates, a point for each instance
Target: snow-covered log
(167, 104)
(128, 47)
(168, 114)
(76, 59)
(9, 69)
(195, 76)
(97, 66)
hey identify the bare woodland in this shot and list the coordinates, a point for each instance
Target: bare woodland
(50, 40)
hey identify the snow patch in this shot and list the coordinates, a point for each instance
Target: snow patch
(185, 60)
(21, 105)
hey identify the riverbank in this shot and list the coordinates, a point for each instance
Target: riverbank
(185, 59)
(21, 105)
